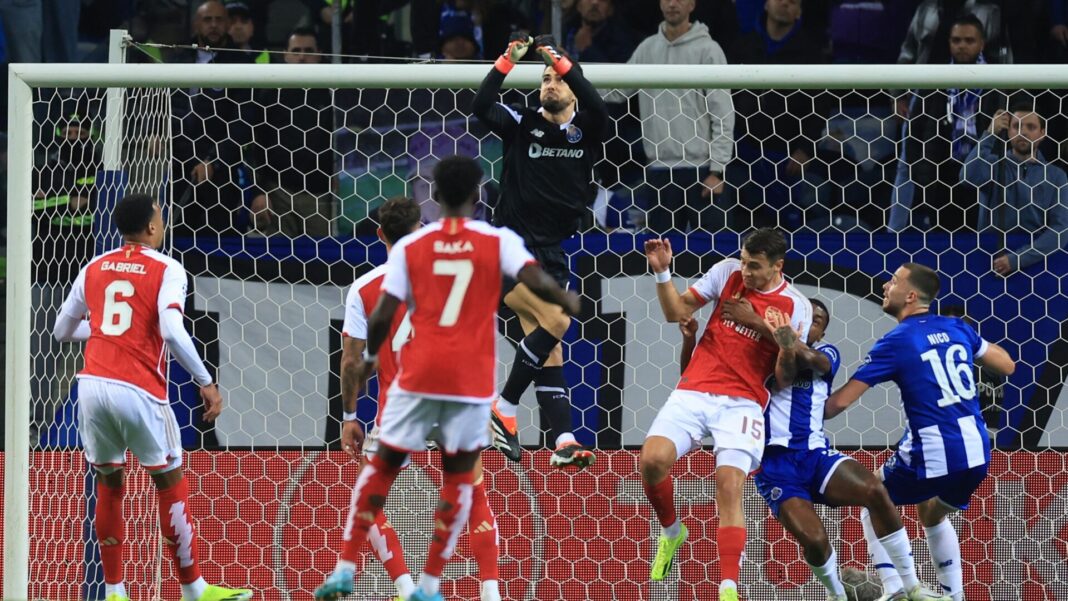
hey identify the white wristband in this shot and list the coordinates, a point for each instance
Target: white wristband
(349, 417)
(663, 277)
(370, 358)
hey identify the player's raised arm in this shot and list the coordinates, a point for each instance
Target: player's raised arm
(674, 305)
(588, 97)
(485, 104)
(997, 360)
(71, 324)
(786, 364)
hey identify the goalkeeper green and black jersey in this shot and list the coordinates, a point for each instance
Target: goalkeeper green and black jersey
(547, 178)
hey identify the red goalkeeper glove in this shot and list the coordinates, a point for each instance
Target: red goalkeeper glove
(553, 57)
(518, 44)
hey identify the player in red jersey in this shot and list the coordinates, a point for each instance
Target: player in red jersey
(449, 274)
(399, 216)
(722, 392)
(127, 304)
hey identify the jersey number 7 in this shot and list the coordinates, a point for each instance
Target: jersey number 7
(461, 271)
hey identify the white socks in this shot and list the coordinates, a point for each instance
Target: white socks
(945, 553)
(827, 574)
(565, 437)
(673, 530)
(194, 590)
(115, 589)
(405, 586)
(490, 591)
(429, 584)
(891, 556)
(506, 408)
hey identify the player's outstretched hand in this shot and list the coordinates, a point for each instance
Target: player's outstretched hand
(213, 402)
(351, 438)
(688, 326)
(518, 44)
(658, 252)
(779, 323)
(551, 54)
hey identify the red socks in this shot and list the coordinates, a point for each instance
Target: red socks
(110, 530)
(731, 541)
(178, 533)
(368, 498)
(662, 496)
(387, 547)
(454, 508)
(483, 528)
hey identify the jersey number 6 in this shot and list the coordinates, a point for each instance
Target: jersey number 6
(461, 271)
(118, 314)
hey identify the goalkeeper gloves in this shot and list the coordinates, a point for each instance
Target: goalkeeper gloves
(518, 43)
(553, 57)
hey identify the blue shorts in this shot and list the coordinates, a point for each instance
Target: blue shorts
(788, 473)
(907, 488)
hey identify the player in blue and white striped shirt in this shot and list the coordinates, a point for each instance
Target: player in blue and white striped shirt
(943, 456)
(800, 468)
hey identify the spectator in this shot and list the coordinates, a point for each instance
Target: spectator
(1021, 195)
(719, 16)
(242, 30)
(1058, 32)
(41, 30)
(777, 133)
(293, 157)
(457, 40)
(599, 36)
(938, 135)
(868, 32)
(928, 34)
(687, 134)
(208, 134)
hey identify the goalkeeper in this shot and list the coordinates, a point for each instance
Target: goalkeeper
(546, 189)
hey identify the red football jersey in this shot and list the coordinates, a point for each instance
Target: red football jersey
(124, 292)
(450, 274)
(361, 300)
(731, 359)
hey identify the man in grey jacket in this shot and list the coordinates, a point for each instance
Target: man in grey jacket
(688, 135)
(1021, 195)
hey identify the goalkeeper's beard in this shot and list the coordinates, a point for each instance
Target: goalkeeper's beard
(554, 107)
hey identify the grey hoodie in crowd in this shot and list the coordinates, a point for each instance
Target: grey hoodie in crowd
(684, 128)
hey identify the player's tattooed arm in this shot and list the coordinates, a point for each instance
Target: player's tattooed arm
(377, 330)
(688, 326)
(787, 338)
(844, 397)
(741, 311)
(351, 357)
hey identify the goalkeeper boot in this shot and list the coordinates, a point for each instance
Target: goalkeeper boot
(419, 595)
(919, 593)
(337, 585)
(117, 597)
(220, 593)
(572, 454)
(665, 554)
(506, 434)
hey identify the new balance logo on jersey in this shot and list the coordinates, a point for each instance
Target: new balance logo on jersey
(537, 133)
(454, 247)
(536, 151)
(135, 268)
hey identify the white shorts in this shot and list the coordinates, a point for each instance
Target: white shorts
(732, 422)
(113, 417)
(410, 420)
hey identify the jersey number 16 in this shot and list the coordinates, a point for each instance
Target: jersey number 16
(954, 374)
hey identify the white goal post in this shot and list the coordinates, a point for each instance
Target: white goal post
(23, 79)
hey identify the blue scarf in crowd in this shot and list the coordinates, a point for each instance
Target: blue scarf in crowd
(961, 109)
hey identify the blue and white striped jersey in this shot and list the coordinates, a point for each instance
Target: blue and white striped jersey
(932, 360)
(795, 415)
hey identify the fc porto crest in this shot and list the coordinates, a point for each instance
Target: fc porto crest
(574, 134)
(776, 493)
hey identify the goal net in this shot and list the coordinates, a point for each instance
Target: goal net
(817, 152)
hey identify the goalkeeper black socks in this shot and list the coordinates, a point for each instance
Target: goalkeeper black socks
(529, 357)
(551, 390)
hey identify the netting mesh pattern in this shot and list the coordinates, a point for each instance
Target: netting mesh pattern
(271, 198)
